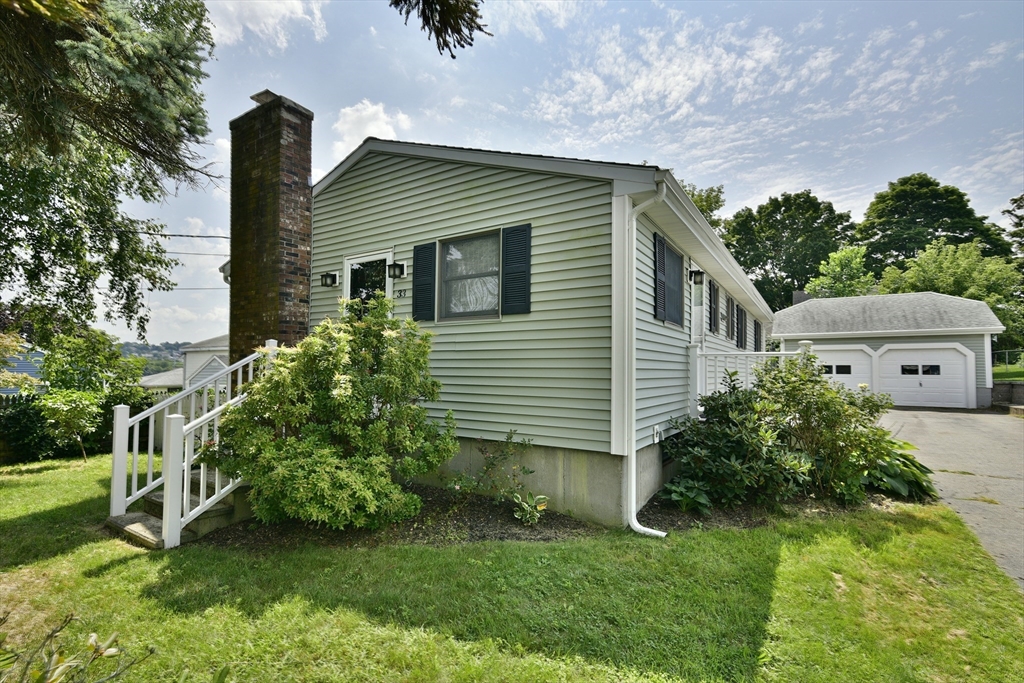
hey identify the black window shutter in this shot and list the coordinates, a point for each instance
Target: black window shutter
(659, 277)
(424, 281)
(515, 270)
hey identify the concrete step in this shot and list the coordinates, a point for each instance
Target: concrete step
(1017, 411)
(153, 504)
(144, 529)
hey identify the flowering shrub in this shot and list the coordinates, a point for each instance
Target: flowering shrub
(334, 426)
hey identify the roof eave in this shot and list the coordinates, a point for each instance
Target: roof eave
(628, 178)
(890, 333)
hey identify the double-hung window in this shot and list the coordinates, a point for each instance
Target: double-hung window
(730, 318)
(469, 276)
(712, 306)
(668, 282)
(741, 328)
(477, 276)
(758, 344)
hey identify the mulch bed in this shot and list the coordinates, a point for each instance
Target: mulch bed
(443, 520)
(446, 520)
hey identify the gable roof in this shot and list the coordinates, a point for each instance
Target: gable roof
(677, 214)
(168, 378)
(908, 314)
(211, 344)
(628, 177)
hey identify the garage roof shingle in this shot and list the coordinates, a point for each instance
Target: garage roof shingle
(918, 312)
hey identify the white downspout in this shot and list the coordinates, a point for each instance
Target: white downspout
(631, 461)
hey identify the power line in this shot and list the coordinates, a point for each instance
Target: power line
(195, 253)
(179, 289)
(181, 234)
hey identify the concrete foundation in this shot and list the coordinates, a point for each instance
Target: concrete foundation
(1004, 392)
(587, 485)
(984, 397)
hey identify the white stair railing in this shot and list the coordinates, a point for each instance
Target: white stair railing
(711, 367)
(208, 399)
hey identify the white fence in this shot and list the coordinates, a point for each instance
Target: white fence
(185, 419)
(712, 367)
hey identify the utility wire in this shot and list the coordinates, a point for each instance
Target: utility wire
(180, 234)
(195, 253)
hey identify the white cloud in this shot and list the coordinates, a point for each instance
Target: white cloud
(364, 120)
(527, 16)
(271, 22)
(815, 24)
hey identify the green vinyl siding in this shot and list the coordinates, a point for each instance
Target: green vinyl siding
(662, 348)
(973, 342)
(546, 374)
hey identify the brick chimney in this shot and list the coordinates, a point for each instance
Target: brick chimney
(271, 224)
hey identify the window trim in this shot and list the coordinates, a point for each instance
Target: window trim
(741, 327)
(714, 300)
(730, 317)
(758, 336)
(439, 316)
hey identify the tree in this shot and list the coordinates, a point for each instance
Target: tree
(90, 361)
(963, 270)
(451, 23)
(709, 201)
(71, 415)
(98, 101)
(1016, 215)
(842, 275)
(914, 212)
(782, 243)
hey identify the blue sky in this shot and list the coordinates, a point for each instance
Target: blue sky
(763, 98)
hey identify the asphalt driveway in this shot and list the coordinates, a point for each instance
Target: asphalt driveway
(978, 458)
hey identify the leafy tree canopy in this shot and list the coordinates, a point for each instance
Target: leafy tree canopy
(89, 361)
(915, 211)
(963, 270)
(98, 101)
(710, 201)
(781, 244)
(10, 346)
(843, 274)
(1016, 215)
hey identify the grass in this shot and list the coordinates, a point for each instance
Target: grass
(1007, 373)
(905, 594)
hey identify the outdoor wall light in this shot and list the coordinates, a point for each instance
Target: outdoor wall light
(329, 280)
(396, 271)
(697, 277)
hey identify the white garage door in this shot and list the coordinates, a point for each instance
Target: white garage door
(925, 377)
(850, 367)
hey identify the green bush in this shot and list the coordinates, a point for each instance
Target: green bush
(23, 430)
(334, 427)
(733, 456)
(793, 433)
(70, 415)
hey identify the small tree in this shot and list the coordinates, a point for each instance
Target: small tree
(842, 275)
(335, 425)
(71, 415)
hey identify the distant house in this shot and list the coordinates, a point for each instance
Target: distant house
(26, 363)
(924, 349)
(202, 360)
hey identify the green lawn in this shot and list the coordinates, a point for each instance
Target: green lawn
(905, 594)
(1007, 373)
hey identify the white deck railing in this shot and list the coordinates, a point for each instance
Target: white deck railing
(712, 367)
(202, 405)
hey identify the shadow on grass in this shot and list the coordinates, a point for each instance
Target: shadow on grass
(695, 605)
(47, 533)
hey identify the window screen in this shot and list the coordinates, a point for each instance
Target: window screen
(469, 276)
(908, 370)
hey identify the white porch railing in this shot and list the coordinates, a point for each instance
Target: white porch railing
(201, 406)
(711, 367)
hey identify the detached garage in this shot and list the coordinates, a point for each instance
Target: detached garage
(925, 349)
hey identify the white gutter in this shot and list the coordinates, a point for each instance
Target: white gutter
(631, 461)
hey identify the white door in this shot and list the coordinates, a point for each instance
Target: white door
(851, 367)
(932, 378)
